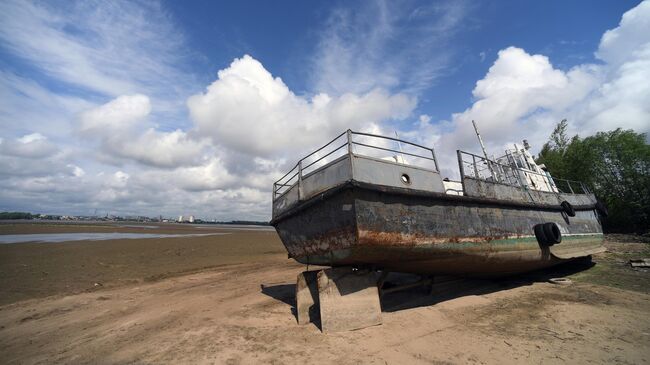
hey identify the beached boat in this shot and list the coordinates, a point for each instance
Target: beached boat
(348, 206)
(343, 205)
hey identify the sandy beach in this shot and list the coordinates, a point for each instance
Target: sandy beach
(230, 299)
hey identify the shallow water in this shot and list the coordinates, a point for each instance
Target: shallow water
(236, 227)
(138, 226)
(66, 237)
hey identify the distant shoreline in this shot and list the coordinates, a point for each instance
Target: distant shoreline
(27, 216)
(83, 221)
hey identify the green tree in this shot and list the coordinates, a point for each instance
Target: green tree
(615, 164)
(552, 153)
(15, 215)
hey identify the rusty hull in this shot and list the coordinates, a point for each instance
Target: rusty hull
(406, 230)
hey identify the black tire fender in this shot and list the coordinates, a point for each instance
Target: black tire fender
(540, 235)
(552, 233)
(568, 208)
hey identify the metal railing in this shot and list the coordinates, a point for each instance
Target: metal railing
(350, 143)
(571, 186)
(480, 168)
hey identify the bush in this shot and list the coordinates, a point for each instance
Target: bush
(614, 164)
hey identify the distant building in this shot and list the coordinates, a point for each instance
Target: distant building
(186, 219)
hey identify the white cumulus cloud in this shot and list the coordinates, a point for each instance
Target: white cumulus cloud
(124, 133)
(249, 111)
(33, 145)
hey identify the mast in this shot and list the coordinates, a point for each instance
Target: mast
(487, 160)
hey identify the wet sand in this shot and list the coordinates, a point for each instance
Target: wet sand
(232, 301)
(33, 270)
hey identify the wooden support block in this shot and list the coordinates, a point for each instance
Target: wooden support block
(348, 299)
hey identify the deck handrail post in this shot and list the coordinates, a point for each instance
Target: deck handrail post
(349, 137)
(570, 188)
(461, 168)
(475, 168)
(300, 195)
(435, 160)
(350, 154)
(273, 202)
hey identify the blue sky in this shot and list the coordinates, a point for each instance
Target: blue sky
(195, 107)
(284, 37)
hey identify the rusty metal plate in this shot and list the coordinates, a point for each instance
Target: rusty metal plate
(577, 249)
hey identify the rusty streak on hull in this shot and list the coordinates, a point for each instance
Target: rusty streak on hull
(410, 231)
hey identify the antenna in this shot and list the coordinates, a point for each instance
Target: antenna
(480, 140)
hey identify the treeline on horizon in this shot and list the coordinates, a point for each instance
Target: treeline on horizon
(615, 165)
(17, 215)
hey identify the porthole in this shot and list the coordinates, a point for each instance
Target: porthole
(406, 179)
